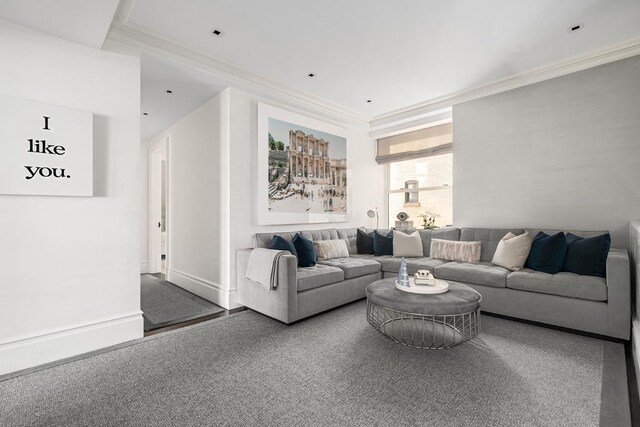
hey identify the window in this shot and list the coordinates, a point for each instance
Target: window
(433, 193)
(411, 193)
(420, 174)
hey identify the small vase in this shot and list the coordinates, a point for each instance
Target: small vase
(403, 277)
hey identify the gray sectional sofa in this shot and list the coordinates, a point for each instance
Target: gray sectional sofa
(586, 303)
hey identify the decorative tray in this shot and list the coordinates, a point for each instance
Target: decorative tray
(438, 287)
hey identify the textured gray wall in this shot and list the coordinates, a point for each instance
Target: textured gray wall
(564, 153)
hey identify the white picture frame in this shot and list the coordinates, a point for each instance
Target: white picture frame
(301, 187)
(47, 150)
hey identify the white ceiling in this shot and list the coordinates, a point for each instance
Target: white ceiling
(397, 53)
(81, 21)
(190, 88)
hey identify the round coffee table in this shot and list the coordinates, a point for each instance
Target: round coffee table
(424, 321)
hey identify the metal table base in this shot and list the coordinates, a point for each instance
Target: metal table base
(432, 332)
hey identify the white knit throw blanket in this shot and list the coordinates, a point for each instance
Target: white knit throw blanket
(262, 267)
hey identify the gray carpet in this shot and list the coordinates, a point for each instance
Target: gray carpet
(333, 369)
(165, 304)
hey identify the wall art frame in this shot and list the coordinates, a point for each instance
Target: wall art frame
(303, 171)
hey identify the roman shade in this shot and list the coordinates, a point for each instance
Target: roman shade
(425, 142)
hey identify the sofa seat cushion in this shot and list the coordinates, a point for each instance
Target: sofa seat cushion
(482, 273)
(563, 284)
(392, 265)
(353, 267)
(317, 276)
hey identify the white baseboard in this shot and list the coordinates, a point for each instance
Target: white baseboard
(27, 352)
(233, 299)
(206, 289)
(144, 267)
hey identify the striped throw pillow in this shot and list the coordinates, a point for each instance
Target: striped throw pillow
(329, 249)
(452, 250)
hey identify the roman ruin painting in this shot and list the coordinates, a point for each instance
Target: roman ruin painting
(306, 172)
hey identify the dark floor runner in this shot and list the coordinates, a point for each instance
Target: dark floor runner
(164, 304)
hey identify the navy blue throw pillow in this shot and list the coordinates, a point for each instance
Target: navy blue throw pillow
(305, 250)
(282, 244)
(587, 256)
(382, 243)
(364, 242)
(547, 253)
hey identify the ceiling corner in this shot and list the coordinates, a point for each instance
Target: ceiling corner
(79, 21)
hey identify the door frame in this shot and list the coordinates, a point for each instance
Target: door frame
(158, 152)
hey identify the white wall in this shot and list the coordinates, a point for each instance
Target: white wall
(144, 209)
(194, 200)
(69, 281)
(213, 184)
(366, 182)
(564, 153)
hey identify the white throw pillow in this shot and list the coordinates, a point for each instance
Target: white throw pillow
(329, 249)
(512, 251)
(407, 245)
(453, 250)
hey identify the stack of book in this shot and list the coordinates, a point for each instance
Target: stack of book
(424, 278)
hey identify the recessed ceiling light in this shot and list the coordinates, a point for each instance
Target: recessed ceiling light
(311, 75)
(169, 91)
(575, 28)
(145, 114)
(217, 32)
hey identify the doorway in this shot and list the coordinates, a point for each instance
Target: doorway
(159, 232)
(165, 305)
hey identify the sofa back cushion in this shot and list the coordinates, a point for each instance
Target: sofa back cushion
(315, 235)
(263, 240)
(383, 231)
(488, 237)
(349, 235)
(438, 233)
(533, 232)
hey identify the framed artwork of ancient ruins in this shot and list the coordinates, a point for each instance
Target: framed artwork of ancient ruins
(302, 169)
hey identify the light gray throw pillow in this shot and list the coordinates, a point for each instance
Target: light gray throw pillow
(407, 245)
(512, 251)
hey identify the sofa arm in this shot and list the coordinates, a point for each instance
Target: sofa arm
(280, 303)
(619, 293)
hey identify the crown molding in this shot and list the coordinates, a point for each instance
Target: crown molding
(417, 112)
(432, 119)
(233, 76)
(392, 122)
